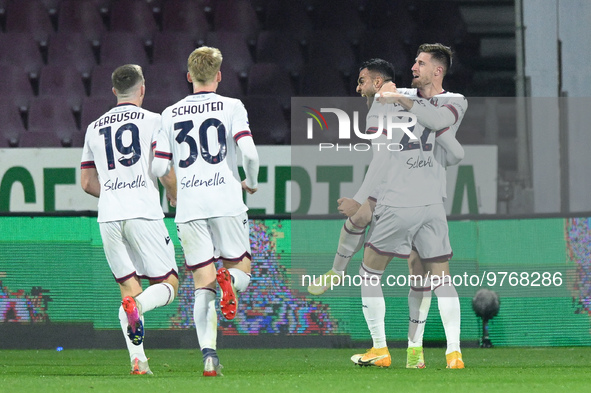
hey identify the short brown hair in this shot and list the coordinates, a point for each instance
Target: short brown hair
(126, 77)
(441, 53)
(204, 63)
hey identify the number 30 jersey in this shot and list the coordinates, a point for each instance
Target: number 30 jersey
(118, 144)
(200, 134)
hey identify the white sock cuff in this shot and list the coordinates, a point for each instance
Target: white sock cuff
(205, 290)
(369, 271)
(353, 229)
(241, 279)
(438, 281)
(172, 293)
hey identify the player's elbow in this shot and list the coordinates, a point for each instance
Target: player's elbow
(456, 157)
(86, 185)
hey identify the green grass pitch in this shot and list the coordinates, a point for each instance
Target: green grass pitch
(296, 370)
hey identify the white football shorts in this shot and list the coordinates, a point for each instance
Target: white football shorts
(206, 240)
(394, 230)
(138, 247)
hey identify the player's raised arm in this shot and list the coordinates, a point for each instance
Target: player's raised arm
(430, 116)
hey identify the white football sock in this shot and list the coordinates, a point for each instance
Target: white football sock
(241, 279)
(350, 242)
(374, 305)
(205, 317)
(155, 296)
(135, 351)
(449, 309)
(419, 302)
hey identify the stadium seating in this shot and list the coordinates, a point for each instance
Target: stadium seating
(47, 139)
(287, 16)
(333, 47)
(133, 16)
(118, 48)
(71, 51)
(12, 124)
(166, 80)
(270, 48)
(232, 84)
(322, 80)
(280, 48)
(21, 50)
(185, 17)
(57, 81)
(50, 115)
(80, 17)
(379, 43)
(270, 79)
(234, 47)
(15, 85)
(94, 107)
(28, 16)
(267, 122)
(172, 46)
(236, 16)
(100, 83)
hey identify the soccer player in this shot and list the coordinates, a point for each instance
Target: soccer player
(115, 168)
(431, 239)
(374, 76)
(200, 134)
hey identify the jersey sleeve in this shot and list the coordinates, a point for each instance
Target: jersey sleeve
(87, 161)
(454, 152)
(162, 151)
(378, 164)
(240, 125)
(439, 117)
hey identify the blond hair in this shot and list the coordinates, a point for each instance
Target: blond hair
(204, 64)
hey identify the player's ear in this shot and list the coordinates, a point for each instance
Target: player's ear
(114, 91)
(189, 77)
(378, 82)
(218, 77)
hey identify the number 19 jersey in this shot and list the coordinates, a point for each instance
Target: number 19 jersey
(119, 145)
(200, 133)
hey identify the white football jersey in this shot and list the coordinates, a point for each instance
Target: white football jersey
(384, 148)
(119, 145)
(200, 134)
(457, 104)
(410, 167)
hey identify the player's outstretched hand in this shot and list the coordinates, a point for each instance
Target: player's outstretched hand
(348, 206)
(247, 188)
